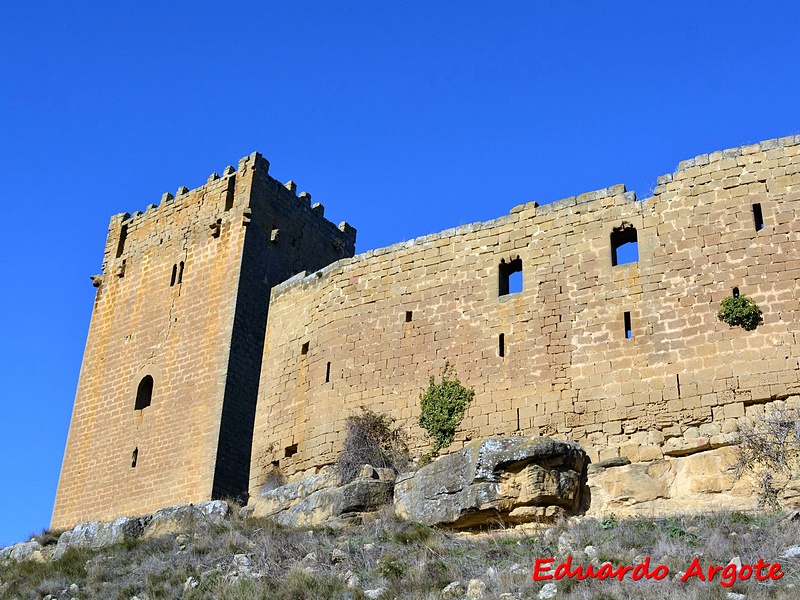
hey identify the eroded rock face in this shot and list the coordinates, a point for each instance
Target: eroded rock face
(510, 480)
(98, 535)
(32, 551)
(702, 480)
(318, 499)
(185, 517)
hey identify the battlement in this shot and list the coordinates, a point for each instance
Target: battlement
(218, 196)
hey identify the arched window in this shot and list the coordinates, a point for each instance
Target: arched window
(144, 393)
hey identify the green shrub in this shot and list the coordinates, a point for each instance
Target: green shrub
(443, 406)
(740, 310)
(371, 439)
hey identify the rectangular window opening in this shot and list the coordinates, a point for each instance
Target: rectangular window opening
(134, 458)
(501, 345)
(624, 245)
(290, 451)
(180, 272)
(328, 373)
(409, 316)
(628, 330)
(304, 348)
(758, 217)
(510, 281)
(174, 275)
(229, 193)
(123, 235)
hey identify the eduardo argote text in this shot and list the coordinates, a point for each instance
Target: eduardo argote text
(728, 574)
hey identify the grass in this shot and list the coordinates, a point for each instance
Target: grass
(254, 558)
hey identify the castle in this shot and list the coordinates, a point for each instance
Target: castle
(234, 331)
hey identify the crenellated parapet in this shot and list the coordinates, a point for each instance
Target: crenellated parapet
(223, 201)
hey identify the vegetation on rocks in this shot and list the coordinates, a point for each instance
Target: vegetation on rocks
(371, 439)
(768, 447)
(387, 558)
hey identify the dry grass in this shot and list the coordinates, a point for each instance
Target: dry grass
(253, 558)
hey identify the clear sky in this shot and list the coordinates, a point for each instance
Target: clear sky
(403, 118)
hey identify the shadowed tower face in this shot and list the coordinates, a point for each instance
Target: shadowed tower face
(166, 396)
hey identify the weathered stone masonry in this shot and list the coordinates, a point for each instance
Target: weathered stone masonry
(628, 359)
(182, 299)
(369, 330)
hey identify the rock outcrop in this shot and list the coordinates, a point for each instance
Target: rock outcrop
(318, 499)
(687, 482)
(166, 521)
(96, 535)
(185, 517)
(508, 480)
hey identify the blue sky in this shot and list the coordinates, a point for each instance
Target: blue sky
(402, 118)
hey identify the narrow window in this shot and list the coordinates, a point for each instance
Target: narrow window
(678, 384)
(328, 372)
(229, 193)
(518, 429)
(123, 235)
(180, 272)
(736, 292)
(510, 277)
(409, 315)
(758, 217)
(290, 451)
(624, 245)
(174, 275)
(144, 393)
(304, 348)
(501, 345)
(628, 330)
(134, 457)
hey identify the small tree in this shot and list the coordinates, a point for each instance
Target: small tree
(768, 445)
(372, 439)
(740, 310)
(442, 407)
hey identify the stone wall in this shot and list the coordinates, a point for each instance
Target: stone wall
(370, 330)
(182, 299)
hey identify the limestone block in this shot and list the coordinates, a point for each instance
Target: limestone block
(494, 480)
(96, 535)
(185, 517)
(32, 550)
(681, 446)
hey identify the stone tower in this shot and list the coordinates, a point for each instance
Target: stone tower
(167, 391)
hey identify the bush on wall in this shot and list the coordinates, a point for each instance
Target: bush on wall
(740, 310)
(443, 406)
